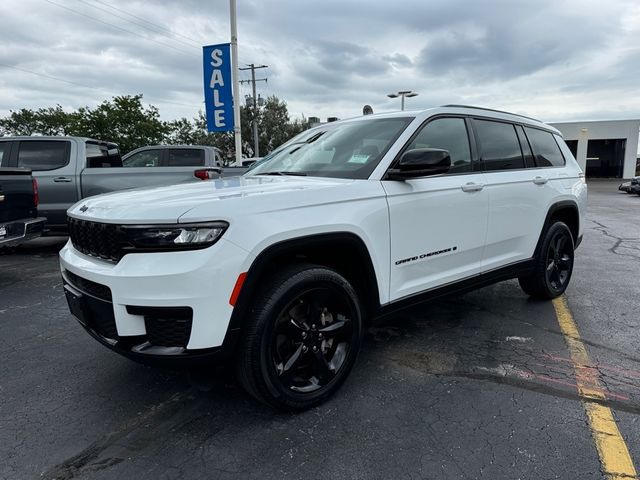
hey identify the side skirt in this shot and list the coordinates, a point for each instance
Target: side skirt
(458, 287)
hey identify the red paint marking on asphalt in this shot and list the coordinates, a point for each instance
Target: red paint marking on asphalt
(630, 373)
(592, 376)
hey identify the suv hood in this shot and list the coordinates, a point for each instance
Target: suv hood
(223, 198)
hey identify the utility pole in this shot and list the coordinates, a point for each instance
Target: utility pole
(236, 89)
(253, 68)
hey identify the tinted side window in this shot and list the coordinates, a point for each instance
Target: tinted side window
(43, 155)
(146, 158)
(448, 134)
(499, 145)
(526, 148)
(565, 148)
(545, 149)
(185, 157)
(4, 146)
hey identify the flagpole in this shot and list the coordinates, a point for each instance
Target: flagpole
(236, 90)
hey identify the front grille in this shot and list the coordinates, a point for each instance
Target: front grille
(166, 326)
(96, 239)
(87, 286)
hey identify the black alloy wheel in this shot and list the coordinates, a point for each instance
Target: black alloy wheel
(312, 338)
(553, 265)
(559, 260)
(302, 336)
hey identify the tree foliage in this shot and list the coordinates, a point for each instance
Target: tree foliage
(127, 122)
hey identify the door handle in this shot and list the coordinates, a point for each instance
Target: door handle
(472, 187)
(62, 180)
(540, 180)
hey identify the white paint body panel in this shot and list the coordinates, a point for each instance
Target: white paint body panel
(429, 215)
(395, 220)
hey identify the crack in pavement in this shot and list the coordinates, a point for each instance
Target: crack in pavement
(620, 242)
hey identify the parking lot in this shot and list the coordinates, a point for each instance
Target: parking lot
(486, 385)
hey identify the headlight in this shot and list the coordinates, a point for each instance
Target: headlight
(173, 237)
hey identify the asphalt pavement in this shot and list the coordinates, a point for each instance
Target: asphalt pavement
(477, 386)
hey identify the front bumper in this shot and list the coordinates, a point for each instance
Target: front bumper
(167, 307)
(19, 231)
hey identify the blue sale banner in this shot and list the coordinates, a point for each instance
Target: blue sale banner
(218, 94)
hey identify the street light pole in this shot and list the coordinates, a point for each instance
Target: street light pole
(402, 94)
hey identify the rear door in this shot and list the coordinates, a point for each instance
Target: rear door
(50, 162)
(518, 192)
(438, 223)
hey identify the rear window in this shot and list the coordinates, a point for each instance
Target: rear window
(185, 157)
(145, 158)
(499, 145)
(43, 155)
(102, 155)
(545, 149)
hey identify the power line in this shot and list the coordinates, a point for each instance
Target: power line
(90, 87)
(120, 28)
(136, 23)
(198, 43)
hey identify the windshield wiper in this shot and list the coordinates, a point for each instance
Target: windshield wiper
(298, 174)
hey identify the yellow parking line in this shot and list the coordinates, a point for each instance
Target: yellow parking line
(614, 454)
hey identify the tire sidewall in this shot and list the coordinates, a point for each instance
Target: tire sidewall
(285, 294)
(555, 229)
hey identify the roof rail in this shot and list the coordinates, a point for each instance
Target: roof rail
(490, 110)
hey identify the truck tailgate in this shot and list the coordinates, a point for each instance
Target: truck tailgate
(16, 194)
(95, 181)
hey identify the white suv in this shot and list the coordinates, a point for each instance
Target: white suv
(280, 268)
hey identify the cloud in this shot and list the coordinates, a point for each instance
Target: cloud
(554, 60)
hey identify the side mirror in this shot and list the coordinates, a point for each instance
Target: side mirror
(421, 162)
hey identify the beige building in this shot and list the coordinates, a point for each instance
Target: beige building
(603, 149)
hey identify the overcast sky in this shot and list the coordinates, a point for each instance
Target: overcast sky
(551, 59)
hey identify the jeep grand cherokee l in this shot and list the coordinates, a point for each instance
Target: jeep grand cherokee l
(278, 269)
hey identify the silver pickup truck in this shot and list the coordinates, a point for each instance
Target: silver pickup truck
(71, 168)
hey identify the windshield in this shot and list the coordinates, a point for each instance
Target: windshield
(340, 150)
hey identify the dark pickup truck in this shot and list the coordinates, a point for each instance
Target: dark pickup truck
(19, 219)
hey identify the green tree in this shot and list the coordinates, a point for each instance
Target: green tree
(125, 121)
(53, 121)
(44, 121)
(122, 120)
(181, 132)
(272, 124)
(21, 122)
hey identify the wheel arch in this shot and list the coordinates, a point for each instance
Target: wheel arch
(565, 211)
(344, 252)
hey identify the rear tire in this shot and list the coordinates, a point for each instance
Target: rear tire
(302, 337)
(553, 265)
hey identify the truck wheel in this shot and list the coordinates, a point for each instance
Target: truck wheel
(553, 265)
(301, 339)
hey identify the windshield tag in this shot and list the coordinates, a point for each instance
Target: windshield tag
(359, 158)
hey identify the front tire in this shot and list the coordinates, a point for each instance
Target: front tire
(553, 265)
(302, 337)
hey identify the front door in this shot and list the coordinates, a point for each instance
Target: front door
(438, 223)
